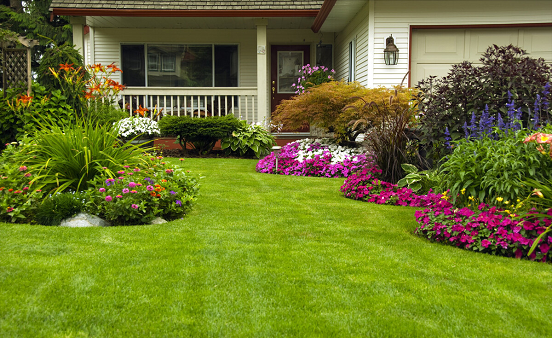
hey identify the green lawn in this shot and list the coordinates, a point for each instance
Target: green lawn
(264, 255)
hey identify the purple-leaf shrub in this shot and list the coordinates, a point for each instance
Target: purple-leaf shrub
(313, 158)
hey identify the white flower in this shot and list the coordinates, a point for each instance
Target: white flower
(132, 126)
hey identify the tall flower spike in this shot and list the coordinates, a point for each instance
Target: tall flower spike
(466, 133)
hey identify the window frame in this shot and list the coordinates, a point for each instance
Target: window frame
(146, 61)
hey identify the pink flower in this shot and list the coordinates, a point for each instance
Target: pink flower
(136, 169)
(135, 206)
(22, 168)
(119, 196)
(485, 243)
(169, 171)
(120, 172)
(9, 209)
(108, 198)
(125, 191)
(150, 188)
(27, 175)
(544, 248)
(102, 189)
(131, 185)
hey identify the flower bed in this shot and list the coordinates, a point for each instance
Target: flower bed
(487, 229)
(314, 158)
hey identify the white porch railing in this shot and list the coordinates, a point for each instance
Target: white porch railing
(196, 102)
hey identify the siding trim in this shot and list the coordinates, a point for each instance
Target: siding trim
(198, 13)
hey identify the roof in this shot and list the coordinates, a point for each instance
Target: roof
(187, 5)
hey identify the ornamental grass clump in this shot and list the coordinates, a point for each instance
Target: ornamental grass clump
(314, 158)
(140, 193)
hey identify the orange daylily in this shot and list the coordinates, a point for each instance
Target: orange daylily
(66, 66)
(25, 99)
(141, 111)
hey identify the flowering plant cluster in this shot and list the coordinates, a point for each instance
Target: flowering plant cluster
(490, 230)
(141, 193)
(312, 76)
(133, 126)
(365, 185)
(314, 158)
(541, 138)
(18, 198)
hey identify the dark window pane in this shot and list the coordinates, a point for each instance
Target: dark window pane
(134, 73)
(324, 56)
(180, 66)
(226, 66)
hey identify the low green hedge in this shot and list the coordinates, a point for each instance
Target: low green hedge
(200, 133)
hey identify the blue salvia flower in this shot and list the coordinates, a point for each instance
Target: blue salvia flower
(466, 134)
(545, 100)
(486, 122)
(500, 121)
(473, 127)
(447, 138)
(517, 120)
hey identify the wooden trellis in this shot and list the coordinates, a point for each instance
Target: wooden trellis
(16, 66)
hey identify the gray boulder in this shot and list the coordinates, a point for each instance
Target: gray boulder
(83, 220)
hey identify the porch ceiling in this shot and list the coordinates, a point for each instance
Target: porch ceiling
(342, 14)
(196, 23)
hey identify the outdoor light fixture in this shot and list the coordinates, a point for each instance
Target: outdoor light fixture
(391, 52)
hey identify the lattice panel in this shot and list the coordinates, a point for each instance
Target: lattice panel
(15, 68)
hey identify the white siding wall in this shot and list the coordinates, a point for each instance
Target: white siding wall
(396, 17)
(356, 30)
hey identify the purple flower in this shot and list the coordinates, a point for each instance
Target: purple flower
(109, 181)
(178, 202)
(173, 193)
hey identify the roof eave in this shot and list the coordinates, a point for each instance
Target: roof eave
(199, 13)
(322, 15)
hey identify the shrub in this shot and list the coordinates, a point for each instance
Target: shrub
(486, 169)
(314, 158)
(105, 113)
(249, 139)
(200, 133)
(451, 100)
(418, 180)
(58, 207)
(18, 196)
(69, 157)
(141, 193)
(52, 58)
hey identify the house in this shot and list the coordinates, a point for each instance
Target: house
(215, 57)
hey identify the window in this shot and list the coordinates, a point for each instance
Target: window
(324, 56)
(352, 60)
(180, 65)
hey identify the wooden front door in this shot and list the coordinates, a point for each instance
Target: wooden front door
(286, 62)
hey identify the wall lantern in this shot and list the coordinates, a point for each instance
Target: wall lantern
(391, 52)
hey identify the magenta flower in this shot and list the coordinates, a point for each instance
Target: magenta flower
(485, 243)
(169, 171)
(9, 209)
(136, 169)
(125, 191)
(132, 185)
(120, 172)
(108, 198)
(22, 168)
(119, 196)
(101, 190)
(150, 188)
(544, 248)
(134, 206)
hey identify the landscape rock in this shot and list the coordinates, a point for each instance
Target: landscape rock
(158, 220)
(83, 220)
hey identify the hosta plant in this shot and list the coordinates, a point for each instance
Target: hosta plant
(249, 139)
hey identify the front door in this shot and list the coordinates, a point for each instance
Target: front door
(286, 62)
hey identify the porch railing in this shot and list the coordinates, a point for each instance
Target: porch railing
(195, 102)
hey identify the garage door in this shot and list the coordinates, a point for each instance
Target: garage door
(435, 50)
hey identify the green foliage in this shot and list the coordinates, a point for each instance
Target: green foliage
(141, 193)
(418, 180)
(105, 113)
(58, 207)
(69, 157)
(488, 168)
(200, 133)
(249, 139)
(18, 196)
(52, 58)
(450, 101)
(324, 106)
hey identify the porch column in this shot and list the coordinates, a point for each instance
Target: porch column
(262, 70)
(78, 33)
